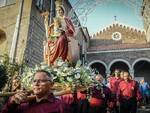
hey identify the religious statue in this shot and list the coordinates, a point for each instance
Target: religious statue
(59, 33)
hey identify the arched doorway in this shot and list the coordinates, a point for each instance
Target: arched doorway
(2, 36)
(2, 42)
(142, 70)
(99, 67)
(119, 65)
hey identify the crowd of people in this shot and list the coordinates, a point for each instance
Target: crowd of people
(121, 94)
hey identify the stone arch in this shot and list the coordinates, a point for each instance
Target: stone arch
(124, 62)
(141, 68)
(140, 59)
(100, 66)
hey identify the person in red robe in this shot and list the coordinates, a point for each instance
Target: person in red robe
(128, 94)
(58, 48)
(68, 102)
(114, 83)
(43, 102)
(82, 101)
(100, 97)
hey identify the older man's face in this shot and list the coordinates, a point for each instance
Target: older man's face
(41, 84)
(126, 76)
(99, 78)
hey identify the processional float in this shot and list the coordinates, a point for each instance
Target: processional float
(67, 78)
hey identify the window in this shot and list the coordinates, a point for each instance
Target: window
(116, 36)
(2, 36)
(43, 5)
(6, 2)
(2, 3)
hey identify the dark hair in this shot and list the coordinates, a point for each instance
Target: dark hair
(118, 70)
(47, 73)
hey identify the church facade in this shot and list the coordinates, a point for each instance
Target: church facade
(119, 46)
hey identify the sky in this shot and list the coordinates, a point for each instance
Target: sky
(103, 13)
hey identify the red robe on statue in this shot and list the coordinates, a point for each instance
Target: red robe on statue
(59, 48)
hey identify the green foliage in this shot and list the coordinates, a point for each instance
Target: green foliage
(3, 76)
(8, 70)
(11, 68)
(63, 74)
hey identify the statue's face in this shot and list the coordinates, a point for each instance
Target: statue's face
(60, 12)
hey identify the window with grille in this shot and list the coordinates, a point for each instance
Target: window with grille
(6, 2)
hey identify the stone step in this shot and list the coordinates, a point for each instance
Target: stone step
(143, 111)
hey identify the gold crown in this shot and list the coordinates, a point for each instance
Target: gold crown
(58, 3)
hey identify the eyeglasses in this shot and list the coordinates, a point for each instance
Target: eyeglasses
(40, 81)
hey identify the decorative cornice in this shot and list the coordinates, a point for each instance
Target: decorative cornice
(120, 26)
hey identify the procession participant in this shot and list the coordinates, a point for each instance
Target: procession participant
(121, 74)
(68, 101)
(144, 88)
(99, 97)
(44, 101)
(114, 82)
(82, 101)
(128, 95)
(108, 81)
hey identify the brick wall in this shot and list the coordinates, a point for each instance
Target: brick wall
(36, 35)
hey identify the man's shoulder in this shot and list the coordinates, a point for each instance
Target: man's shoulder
(122, 82)
(57, 100)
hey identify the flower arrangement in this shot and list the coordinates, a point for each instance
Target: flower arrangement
(63, 74)
(67, 78)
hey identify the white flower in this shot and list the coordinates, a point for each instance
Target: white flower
(69, 79)
(77, 76)
(54, 77)
(59, 72)
(60, 62)
(36, 67)
(63, 74)
(43, 66)
(65, 69)
(55, 69)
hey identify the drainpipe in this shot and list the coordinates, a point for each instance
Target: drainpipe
(83, 52)
(52, 11)
(13, 48)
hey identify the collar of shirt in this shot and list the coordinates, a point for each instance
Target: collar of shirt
(50, 98)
